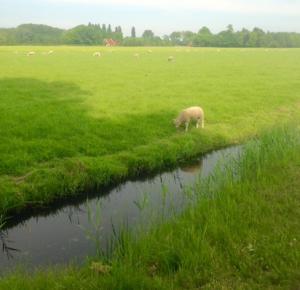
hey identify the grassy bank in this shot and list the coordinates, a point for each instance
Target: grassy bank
(242, 233)
(70, 121)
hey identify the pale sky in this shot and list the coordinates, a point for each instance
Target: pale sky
(162, 16)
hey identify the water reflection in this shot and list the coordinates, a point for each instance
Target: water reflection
(58, 235)
(194, 167)
(6, 248)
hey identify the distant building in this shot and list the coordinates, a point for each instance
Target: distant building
(110, 42)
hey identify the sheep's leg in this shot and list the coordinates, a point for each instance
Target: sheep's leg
(197, 124)
(186, 126)
(202, 123)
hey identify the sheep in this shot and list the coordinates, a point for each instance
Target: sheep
(149, 51)
(50, 51)
(188, 114)
(170, 58)
(97, 53)
(30, 53)
(137, 55)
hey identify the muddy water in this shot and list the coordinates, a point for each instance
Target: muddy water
(60, 235)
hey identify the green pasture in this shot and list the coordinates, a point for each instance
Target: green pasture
(70, 121)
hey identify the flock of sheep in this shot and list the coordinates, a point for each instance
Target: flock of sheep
(31, 53)
(95, 54)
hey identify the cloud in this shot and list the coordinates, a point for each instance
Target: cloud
(235, 6)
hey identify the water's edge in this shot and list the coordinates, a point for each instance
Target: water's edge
(56, 234)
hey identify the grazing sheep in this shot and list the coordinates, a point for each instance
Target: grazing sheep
(170, 58)
(97, 53)
(191, 113)
(136, 55)
(50, 51)
(30, 53)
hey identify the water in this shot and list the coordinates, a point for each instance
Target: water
(58, 235)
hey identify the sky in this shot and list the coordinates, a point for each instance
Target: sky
(162, 16)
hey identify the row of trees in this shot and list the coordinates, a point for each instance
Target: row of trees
(94, 34)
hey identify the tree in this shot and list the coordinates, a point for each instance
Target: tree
(133, 34)
(109, 30)
(227, 38)
(118, 35)
(176, 38)
(187, 37)
(148, 34)
(203, 38)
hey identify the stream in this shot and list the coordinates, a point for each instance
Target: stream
(59, 234)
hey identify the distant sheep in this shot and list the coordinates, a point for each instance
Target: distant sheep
(170, 58)
(97, 53)
(136, 55)
(191, 113)
(50, 51)
(30, 53)
(149, 51)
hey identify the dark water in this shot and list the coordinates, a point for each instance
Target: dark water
(59, 235)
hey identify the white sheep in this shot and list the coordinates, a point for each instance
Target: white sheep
(170, 58)
(97, 53)
(50, 51)
(30, 53)
(137, 55)
(191, 113)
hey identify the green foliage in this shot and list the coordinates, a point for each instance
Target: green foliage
(94, 34)
(31, 34)
(133, 33)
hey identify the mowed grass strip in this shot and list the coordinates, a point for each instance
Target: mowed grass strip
(70, 121)
(242, 233)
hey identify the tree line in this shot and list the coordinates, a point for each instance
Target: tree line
(95, 34)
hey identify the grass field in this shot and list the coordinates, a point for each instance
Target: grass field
(70, 121)
(245, 237)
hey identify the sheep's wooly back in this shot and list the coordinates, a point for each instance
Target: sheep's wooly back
(193, 112)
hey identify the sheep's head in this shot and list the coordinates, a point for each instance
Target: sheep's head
(177, 123)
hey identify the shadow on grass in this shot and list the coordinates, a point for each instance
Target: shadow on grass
(41, 121)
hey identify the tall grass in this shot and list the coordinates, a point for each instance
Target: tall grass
(241, 233)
